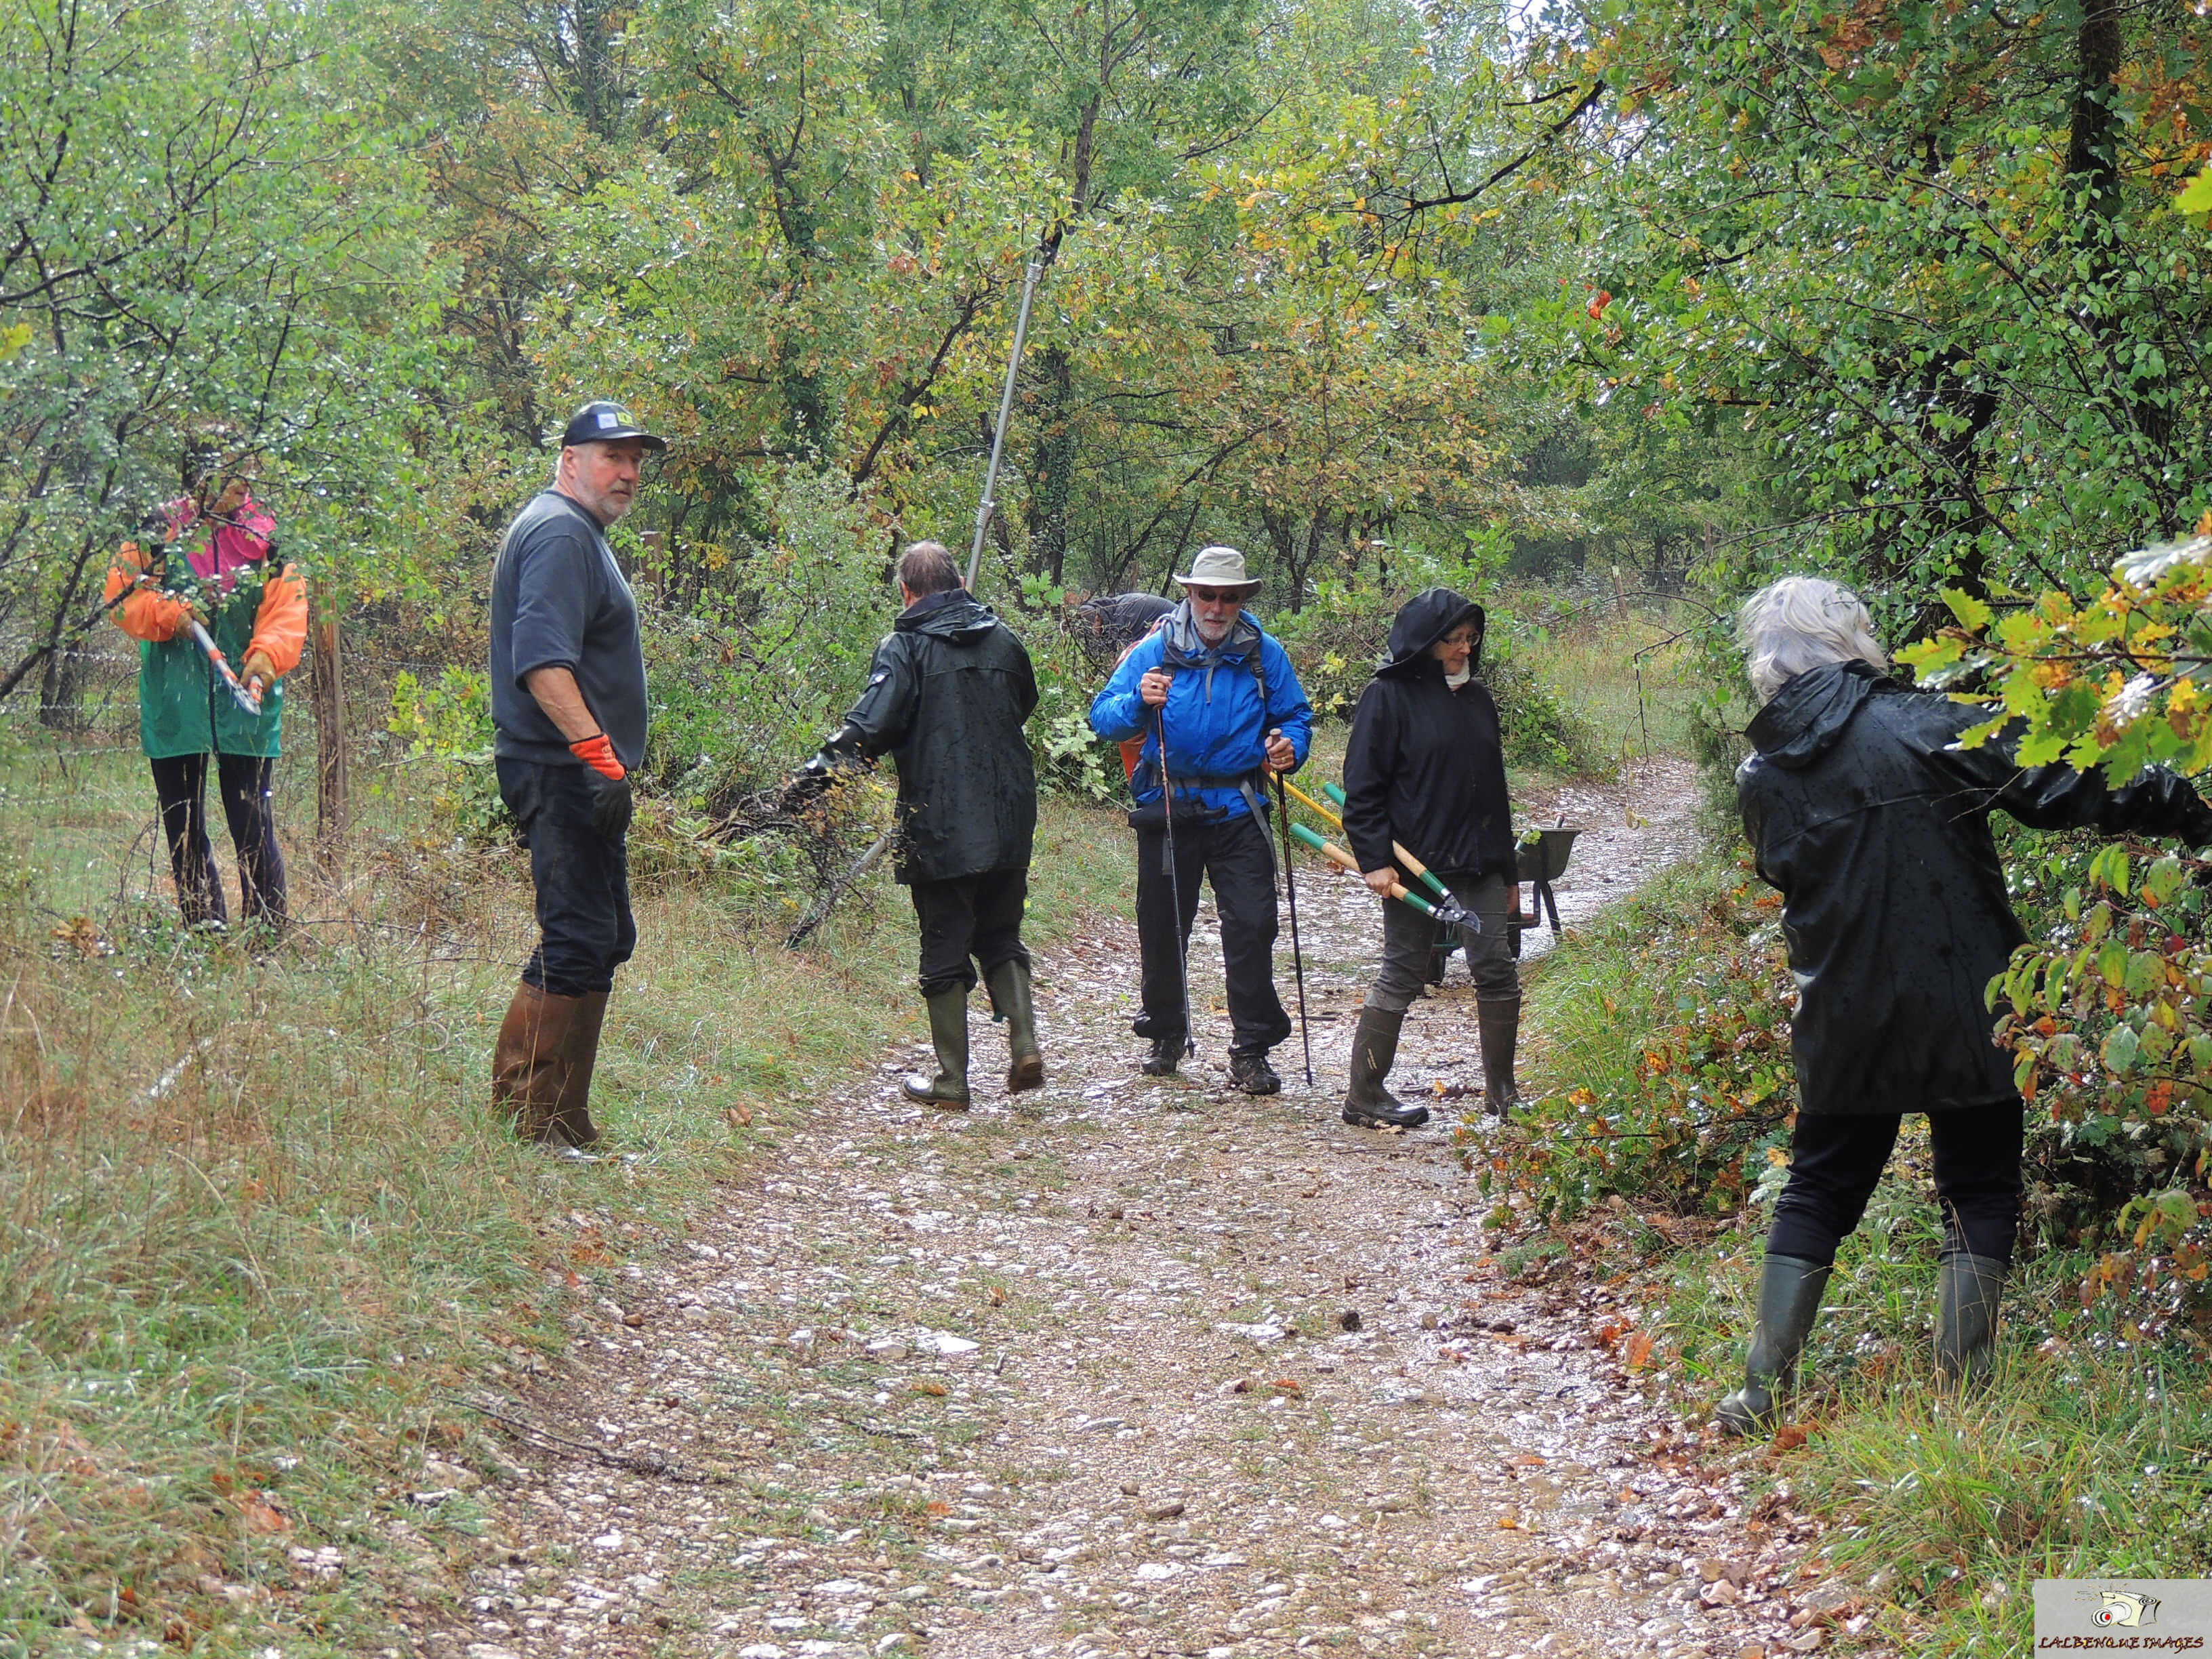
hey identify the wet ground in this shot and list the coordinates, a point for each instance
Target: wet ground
(1131, 1367)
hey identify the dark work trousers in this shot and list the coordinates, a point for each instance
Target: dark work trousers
(1409, 935)
(974, 916)
(1235, 860)
(244, 781)
(1835, 1161)
(584, 929)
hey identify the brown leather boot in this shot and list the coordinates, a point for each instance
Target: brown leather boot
(530, 1063)
(572, 1110)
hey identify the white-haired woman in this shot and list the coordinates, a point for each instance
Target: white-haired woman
(1874, 827)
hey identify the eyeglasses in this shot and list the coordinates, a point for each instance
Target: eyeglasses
(1215, 595)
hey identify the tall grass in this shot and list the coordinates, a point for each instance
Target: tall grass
(256, 1220)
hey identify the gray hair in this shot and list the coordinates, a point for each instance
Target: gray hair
(926, 568)
(1802, 623)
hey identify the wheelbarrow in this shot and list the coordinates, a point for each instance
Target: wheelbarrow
(1542, 859)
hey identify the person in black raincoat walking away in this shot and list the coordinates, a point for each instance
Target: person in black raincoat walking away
(1874, 824)
(946, 698)
(1426, 768)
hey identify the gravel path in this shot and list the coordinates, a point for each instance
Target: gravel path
(1128, 1367)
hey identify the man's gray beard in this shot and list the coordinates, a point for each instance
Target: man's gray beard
(1212, 634)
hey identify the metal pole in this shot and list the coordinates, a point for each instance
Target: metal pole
(1298, 957)
(989, 504)
(1175, 887)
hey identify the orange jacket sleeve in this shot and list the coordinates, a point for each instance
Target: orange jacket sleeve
(280, 627)
(149, 613)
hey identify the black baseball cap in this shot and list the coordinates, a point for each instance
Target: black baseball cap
(603, 423)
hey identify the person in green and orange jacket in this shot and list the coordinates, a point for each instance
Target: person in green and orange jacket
(215, 566)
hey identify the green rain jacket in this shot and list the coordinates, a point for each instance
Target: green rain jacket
(183, 708)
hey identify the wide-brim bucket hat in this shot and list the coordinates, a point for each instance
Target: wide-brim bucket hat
(1219, 567)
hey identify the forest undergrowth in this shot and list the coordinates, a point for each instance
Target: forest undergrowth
(1661, 1139)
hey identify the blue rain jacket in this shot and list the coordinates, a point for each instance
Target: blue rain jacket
(1217, 720)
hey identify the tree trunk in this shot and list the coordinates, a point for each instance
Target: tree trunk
(333, 781)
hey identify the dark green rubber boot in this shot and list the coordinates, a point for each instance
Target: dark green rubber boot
(1374, 1051)
(1967, 1288)
(1790, 1291)
(1498, 1020)
(1009, 983)
(948, 1029)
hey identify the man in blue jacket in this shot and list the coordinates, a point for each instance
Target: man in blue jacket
(1229, 703)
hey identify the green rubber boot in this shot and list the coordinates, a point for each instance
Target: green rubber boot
(1967, 1288)
(948, 1029)
(1367, 1102)
(1009, 984)
(1498, 1020)
(1790, 1291)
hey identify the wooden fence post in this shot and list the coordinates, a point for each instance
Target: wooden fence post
(332, 780)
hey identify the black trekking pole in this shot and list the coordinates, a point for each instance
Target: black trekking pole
(1175, 886)
(1298, 957)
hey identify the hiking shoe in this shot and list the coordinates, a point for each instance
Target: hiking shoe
(1166, 1055)
(1252, 1073)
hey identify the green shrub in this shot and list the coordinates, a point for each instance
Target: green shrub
(446, 725)
(1669, 1071)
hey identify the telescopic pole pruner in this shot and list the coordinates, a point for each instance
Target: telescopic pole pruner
(1298, 956)
(989, 504)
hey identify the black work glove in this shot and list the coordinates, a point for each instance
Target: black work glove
(612, 804)
(840, 754)
(606, 781)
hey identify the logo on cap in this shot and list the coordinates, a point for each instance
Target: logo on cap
(609, 417)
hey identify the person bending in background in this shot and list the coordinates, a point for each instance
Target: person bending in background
(1425, 769)
(213, 567)
(1874, 824)
(947, 696)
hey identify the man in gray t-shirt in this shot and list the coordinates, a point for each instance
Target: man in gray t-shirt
(568, 700)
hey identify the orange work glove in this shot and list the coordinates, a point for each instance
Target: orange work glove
(598, 753)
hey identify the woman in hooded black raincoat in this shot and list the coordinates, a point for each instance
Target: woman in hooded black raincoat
(1873, 825)
(1426, 769)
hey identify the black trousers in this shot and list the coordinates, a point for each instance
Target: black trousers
(1236, 861)
(585, 928)
(1835, 1161)
(977, 917)
(250, 810)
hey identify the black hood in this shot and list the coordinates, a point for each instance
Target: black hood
(1421, 621)
(950, 615)
(1805, 718)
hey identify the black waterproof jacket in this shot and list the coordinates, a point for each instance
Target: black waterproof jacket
(1876, 831)
(1425, 766)
(946, 697)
